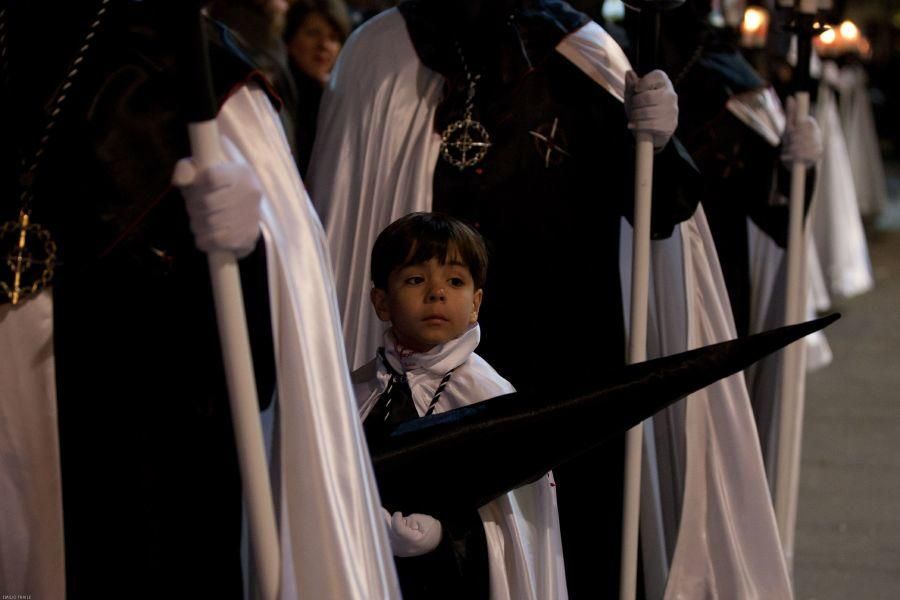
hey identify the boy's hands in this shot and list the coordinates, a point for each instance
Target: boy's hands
(413, 535)
(651, 106)
(223, 204)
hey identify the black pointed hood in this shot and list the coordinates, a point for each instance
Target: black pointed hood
(466, 457)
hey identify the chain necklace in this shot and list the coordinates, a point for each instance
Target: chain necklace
(27, 250)
(465, 142)
(689, 65)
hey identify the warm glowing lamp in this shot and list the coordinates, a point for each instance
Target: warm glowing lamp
(849, 31)
(754, 27)
(825, 42)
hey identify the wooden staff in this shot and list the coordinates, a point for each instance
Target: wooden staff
(787, 474)
(206, 150)
(646, 59)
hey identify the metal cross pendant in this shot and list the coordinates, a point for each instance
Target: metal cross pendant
(464, 143)
(546, 144)
(30, 255)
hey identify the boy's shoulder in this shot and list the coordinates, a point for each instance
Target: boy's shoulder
(481, 373)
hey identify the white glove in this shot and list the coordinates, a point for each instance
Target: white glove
(223, 204)
(651, 106)
(801, 141)
(413, 535)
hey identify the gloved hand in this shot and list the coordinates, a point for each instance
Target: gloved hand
(413, 535)
(223, 205)
(651, 106)
(801, 141)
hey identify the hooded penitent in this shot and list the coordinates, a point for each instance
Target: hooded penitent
(120, 361)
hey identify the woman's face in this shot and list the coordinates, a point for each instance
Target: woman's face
(315, 47)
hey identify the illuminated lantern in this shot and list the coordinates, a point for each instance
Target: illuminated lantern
(754, 27)
(826, 42)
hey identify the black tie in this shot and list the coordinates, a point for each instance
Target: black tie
(394, 406)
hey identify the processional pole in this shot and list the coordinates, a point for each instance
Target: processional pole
(206, 150)
(647, 41)
(791, 390)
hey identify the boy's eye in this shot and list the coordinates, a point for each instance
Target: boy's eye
(457, 282)
(414, 280)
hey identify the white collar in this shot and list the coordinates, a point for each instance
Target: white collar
(436, 361)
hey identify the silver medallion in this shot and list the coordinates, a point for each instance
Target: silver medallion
(464, 143)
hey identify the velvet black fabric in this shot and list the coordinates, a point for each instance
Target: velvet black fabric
(305, 116)
(457, 568)
(150, 482)
(471, 455)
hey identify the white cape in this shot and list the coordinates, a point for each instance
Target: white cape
(32, 553)
(521, 527)
(330, 527)
(374, 161)
(837, 226)
(862, 141)
(333, 540)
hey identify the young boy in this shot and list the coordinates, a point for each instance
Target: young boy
(428, 271)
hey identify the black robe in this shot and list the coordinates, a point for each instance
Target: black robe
(742, 172)
(150, 482)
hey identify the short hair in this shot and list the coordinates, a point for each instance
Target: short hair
(419, 237)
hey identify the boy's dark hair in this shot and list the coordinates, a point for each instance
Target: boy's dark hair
(419, 237)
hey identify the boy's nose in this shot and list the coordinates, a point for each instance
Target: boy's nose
(437, 294)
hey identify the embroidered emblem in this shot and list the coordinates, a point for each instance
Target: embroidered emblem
(549, 141)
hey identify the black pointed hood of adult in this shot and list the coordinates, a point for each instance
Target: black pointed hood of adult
(464, 458)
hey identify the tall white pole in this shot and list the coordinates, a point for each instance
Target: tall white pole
(225, 275)
(637, 352)
(787, 473)
(791, 401)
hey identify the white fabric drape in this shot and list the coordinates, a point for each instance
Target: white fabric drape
(373, 160)
(521, 527)
(32, 553)
(858, 124)
(727, 542)
(333, 540)
(837, 226)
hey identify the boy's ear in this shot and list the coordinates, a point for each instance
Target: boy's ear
(379, 301)
(476, 306)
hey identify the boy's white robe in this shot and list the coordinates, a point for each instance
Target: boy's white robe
(373, 162)
(521, 527)
(333, 539)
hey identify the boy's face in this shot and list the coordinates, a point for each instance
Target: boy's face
(429, 303)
